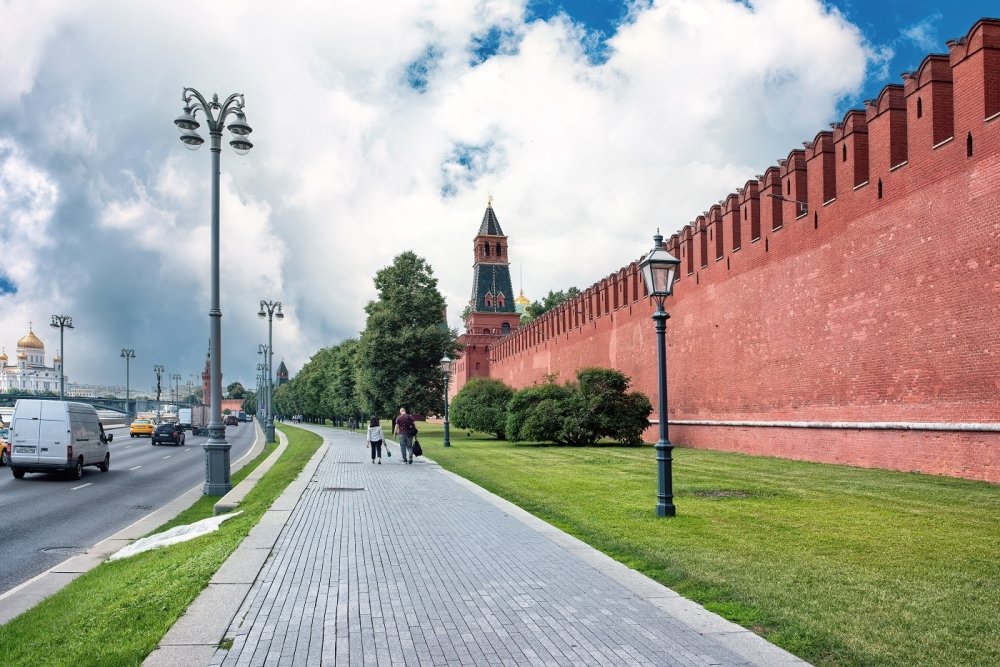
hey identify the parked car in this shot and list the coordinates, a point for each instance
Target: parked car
(4, 446)
(168, 433)
(231, 420)
(141, 427)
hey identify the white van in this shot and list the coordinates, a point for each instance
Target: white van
(56, 435)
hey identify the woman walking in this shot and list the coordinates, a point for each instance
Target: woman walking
(375, 439)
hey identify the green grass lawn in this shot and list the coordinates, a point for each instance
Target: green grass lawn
(839, 565)
(116, 613)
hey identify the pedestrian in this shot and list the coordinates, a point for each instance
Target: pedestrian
(376, 439)
(405, 429)
(351, 424)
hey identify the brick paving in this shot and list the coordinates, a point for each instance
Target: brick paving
(399, 564)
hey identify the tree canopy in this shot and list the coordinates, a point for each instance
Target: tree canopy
(236, 390)
(405, 337)
(548, 302)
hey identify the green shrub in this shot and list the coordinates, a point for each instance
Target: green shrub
(579, 413)
(482, 405)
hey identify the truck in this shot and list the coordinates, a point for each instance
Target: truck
(184, 418)
(199, 419)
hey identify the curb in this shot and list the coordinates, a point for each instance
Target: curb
(23, 597)
(197, 634)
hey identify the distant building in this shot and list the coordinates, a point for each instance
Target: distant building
(521, 303)
(29, 372)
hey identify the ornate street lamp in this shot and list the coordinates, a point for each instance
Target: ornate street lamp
(176, 377)
(62, 322)
(445, 366)
(127, 354)
(659, 271)
(262, 367)
(217, 467)
(270, 309)
(158, 369)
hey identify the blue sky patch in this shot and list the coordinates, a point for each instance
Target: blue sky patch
(464, 165)
(7, 286)
(420, 70)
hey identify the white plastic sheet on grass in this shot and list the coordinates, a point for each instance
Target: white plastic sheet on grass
(173, 536)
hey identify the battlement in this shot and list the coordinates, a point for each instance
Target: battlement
(942, 120)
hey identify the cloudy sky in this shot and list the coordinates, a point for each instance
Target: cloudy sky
(384, 127)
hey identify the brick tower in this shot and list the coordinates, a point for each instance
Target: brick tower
(491, 314)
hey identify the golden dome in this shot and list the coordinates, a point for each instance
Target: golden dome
(3, 356)
(22, 356)
(522, 300)
(30, 341)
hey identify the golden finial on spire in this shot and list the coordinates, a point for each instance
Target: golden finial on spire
(489, 202)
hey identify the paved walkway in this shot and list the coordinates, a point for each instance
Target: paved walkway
(399, 564)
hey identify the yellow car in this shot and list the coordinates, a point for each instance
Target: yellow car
(141, 427)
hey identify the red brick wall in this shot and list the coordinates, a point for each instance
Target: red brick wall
(865, 309)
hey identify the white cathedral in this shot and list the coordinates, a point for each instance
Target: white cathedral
(29, 372)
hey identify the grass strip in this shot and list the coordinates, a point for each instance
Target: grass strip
(116, 613)
(839, 565)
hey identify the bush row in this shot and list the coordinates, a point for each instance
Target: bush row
(597, 405)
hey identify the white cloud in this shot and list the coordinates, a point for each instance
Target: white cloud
(351, 165)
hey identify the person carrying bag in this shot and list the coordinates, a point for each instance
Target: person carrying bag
(376, 439)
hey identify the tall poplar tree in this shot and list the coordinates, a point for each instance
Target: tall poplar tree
(405, 336)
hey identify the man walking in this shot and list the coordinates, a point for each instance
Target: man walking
(405, 429)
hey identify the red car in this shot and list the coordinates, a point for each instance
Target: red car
(231, 420)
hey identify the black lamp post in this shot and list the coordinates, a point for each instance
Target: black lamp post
(445, 367)
(659, 270)
(127, 354)
(270, 310)
(158, 369)
(62, 322)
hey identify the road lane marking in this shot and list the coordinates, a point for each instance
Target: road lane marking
(167, 456)
(127, 446)
(81, 486)
(135, 468)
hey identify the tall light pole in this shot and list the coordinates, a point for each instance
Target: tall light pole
(176, 377)
(217, 468)
(271, 310)
(127, 354)
(257, 397)
(62, 322)
(659, 270)
(445, 367)
(262, 402)
(158, 369)
(265, 350)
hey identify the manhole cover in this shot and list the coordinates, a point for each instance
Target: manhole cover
(343, 488)
(64, 550)
(143, 507)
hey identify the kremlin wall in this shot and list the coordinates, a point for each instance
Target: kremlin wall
(841, 307)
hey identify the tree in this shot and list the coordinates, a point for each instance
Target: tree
(404, 340)
(482, 405)
(250, 403)
(236, 390)
(550, 301)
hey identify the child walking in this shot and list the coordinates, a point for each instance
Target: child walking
(375, 439)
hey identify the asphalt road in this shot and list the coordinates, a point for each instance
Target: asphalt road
(46, 518)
